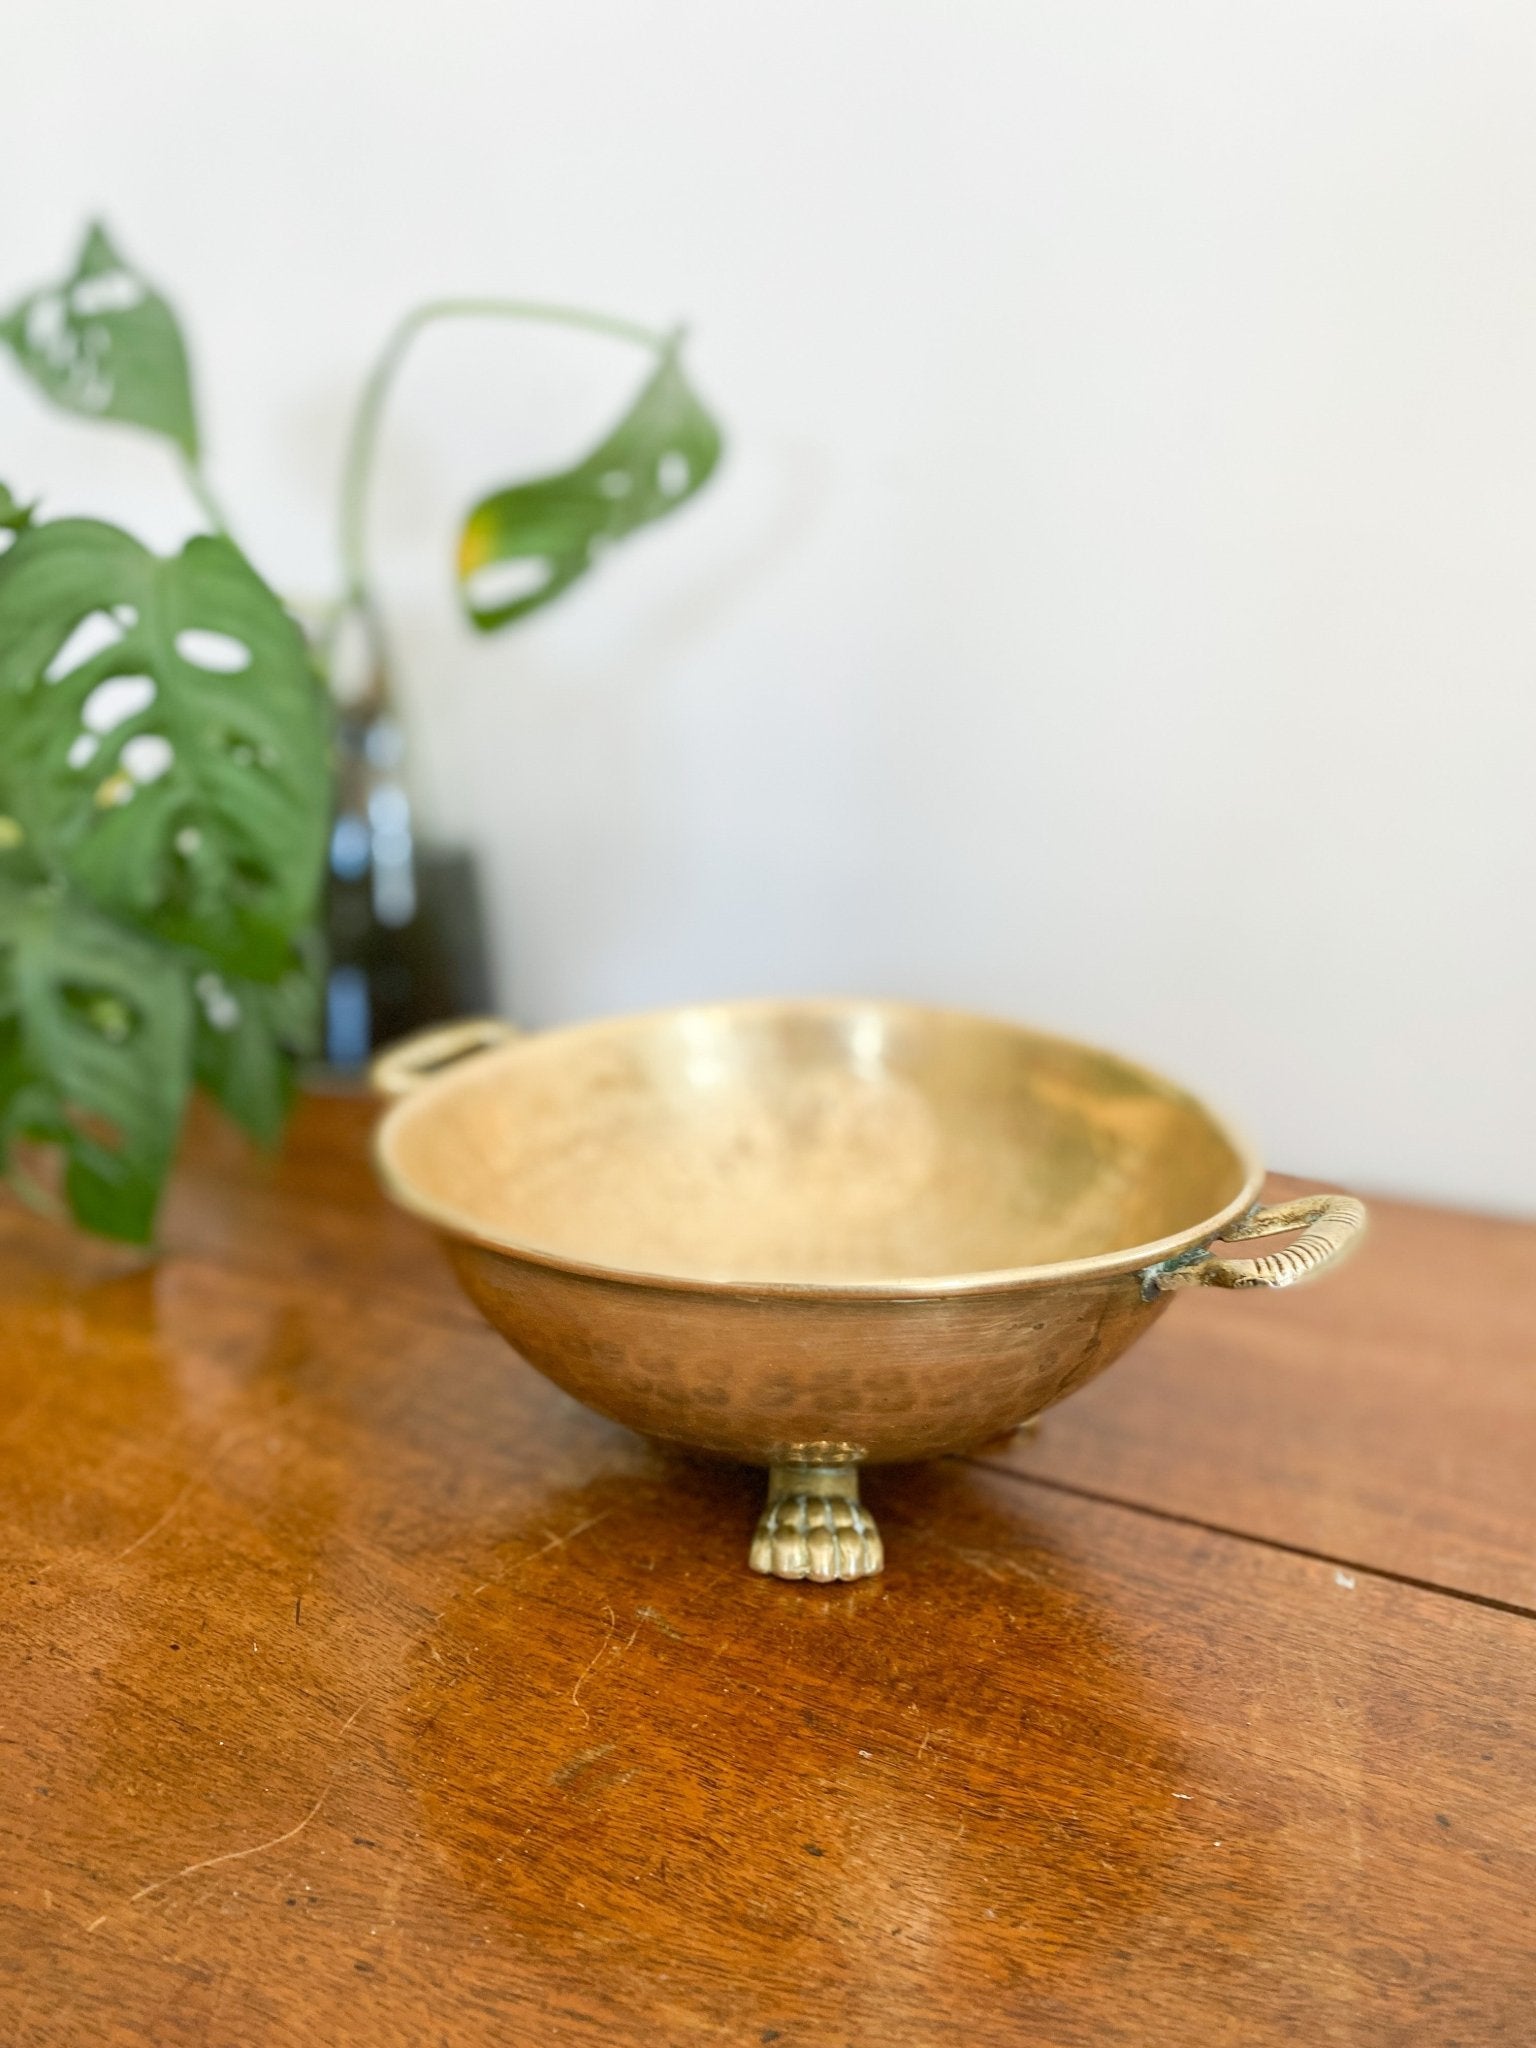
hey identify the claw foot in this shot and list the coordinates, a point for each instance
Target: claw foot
(815, 1528)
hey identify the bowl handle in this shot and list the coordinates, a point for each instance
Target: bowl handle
(410, 1061)
(1331, 1226)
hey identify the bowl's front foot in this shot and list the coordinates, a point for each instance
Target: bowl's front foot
(814, 1526)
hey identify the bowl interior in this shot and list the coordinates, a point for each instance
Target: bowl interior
(810, 1142)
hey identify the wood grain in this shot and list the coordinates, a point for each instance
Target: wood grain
(359, 1688)
(1386, 1416)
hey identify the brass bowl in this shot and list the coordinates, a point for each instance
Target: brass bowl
(814, 1235)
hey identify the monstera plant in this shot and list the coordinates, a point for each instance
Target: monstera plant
(165, 778)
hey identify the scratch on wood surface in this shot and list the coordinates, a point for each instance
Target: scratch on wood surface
(581, 1528)
(229, 1439)
(610, 1629)
(582, 1761)
(229, 1856)
(157, 1524)
(554, 1543)
(659, 1620)
(238, 1855)
(586, 1674)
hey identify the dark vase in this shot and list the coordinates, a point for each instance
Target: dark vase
(404, 920)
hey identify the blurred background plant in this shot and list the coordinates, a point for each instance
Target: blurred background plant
(208, 867)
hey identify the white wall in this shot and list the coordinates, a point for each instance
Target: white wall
(1120, 606)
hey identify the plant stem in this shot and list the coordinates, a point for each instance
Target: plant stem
(200, 488)
(362, 444)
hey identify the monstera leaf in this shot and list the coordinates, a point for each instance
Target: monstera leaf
(104, 343)
(164, 760)
(163, 739)
(248, 1035)
(164, 798)
(522, 546)
(13, 517)
(95, 1052)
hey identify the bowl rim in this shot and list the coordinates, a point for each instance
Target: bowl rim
(464, 1227)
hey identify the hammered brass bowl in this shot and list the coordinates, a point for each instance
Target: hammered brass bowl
(814, 1235)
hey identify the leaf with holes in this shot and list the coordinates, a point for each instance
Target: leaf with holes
(95, 1053)
(106, 344)
(248, 1034)
(522, 546)
(163, 738)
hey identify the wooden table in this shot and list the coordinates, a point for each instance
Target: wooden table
(357, 1690)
